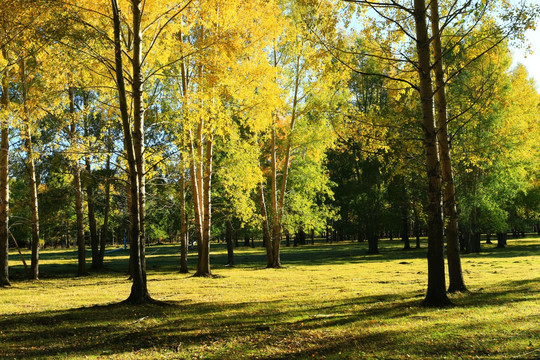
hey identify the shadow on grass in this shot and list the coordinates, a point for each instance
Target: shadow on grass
(273, 330)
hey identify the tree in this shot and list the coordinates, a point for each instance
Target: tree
(457, 283)
(4, 175)
(305, 75)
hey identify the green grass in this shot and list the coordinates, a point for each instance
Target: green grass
(329, 302)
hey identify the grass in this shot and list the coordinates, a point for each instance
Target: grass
(329, 302)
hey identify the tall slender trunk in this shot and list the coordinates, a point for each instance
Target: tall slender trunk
(197, 195)
(138, 127)
(229, 241)
(276, 225)
(267, 236)
(457, 283)
(436, 292)
(4, 179)
(405, 224)
(81, 249)
(183, 223)
(30, 166)
(203, 266)
(416, 227)
(139, 292)
(105, 229)
(279, 208)
(97, 262)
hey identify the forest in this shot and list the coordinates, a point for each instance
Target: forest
(226, 126)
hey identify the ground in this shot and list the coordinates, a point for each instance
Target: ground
(330, 301)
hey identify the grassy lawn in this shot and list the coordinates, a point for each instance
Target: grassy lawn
(329, 302)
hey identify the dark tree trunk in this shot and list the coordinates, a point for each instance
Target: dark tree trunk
(97, 261)
(417, 229)
(312, 237)
(475, 242)
(373, 243)
(457, 283)
(488, 238)
(501, 240)
(81, 248)
(105, 230)
(405, 225)
(229, 241)
(327, 235)
(465, 242)
(436, 292)
(4, 181)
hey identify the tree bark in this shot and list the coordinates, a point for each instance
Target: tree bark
(30, 167)
(276, 225)
(436, 292)
(405, 224)
(229, 241)
(501, 239)
(139, 292)
(4, 180)
(97, 262)
(183, 225)
(207, 203)
(267, 237)
(457, 283)
(81, 248)
(183, 222)
(105, 230)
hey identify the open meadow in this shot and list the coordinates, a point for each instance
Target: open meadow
(330, 301)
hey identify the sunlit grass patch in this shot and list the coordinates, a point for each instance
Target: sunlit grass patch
(330, 301)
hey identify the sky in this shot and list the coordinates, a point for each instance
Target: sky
(531, 61)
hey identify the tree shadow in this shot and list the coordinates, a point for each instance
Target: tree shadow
(117, 328)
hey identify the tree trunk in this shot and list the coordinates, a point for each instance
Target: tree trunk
(405, 225)
(501, 240)
(416, 227)
(81, 248)
(105, 230)
(4, 180)
(276, 226)
(436, 292)
(229, 241)
(203, 265)
(139, 292)
(475, 242)
(34, 265)
(30, 165)
(373, 243)
(266, 229)
(457, 283)
(183, 223)
(97, 262)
